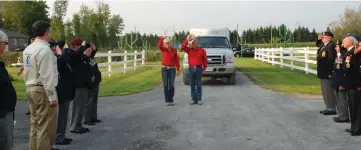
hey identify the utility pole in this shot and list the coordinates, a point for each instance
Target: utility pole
(271, 35)
(239, 43)
(174, 38)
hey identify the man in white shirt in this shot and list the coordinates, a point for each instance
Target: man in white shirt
(41, 78)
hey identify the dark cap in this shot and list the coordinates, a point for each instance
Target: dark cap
(76, 42)
(52, 44)
(328, 33)
(357, 37)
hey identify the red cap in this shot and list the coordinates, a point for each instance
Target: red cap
(76, 42)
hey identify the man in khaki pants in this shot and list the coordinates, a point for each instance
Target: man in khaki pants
(41, 78)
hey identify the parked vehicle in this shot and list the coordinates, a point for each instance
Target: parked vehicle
(219, 52)
(243, 50)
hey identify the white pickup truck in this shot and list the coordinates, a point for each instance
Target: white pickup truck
(219, 52)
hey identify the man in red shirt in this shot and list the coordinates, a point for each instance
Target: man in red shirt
(170, 68)
(197, 60)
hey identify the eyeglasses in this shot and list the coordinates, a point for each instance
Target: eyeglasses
(5, 43)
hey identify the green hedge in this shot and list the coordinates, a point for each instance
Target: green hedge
(11, 57)
(150, 55)
(277, 45)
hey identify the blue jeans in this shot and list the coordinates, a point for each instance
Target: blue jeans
(6, 131)
(195, 80)
(168, 76)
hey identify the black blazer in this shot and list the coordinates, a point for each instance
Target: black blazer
(326, 55)
(7, 92)
(82, 70)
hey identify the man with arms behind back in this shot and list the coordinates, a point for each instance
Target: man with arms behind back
(41, 78)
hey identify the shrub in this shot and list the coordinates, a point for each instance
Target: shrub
(11, 57)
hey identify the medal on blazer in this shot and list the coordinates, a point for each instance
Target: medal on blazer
(348, 59)
(338, 66)
(323, 54)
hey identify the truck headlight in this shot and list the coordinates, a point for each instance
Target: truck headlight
(229, 59)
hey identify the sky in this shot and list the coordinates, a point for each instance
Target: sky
(159, 16)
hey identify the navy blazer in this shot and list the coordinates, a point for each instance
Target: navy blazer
(338, 74)
(65, 87)
(353, 72)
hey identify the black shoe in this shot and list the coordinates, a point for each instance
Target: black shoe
(96, 121)
(89, 123)
(68, 139)
(27, 113)
(355, 134)
(62, 142)
(348, 130)
(322, 111)
(80, 130)
(54, 148)
(338, 120)
(326, 113)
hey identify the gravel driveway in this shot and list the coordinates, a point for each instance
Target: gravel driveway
(241, 117)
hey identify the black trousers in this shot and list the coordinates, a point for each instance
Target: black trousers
(355, 110)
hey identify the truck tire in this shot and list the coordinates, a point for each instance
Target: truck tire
(232, 79)
(185, 78)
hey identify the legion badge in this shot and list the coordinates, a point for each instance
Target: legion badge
(338, 66)
(348, 65)
(323, 54)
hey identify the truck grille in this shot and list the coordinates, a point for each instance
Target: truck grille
(216, 59)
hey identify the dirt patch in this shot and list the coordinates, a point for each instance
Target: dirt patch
(305, 97)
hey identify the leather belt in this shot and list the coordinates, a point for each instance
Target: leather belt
(195, 66)
(32, 85)
(168, 67)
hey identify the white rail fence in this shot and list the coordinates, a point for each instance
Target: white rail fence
(124, 62)
(289, 57)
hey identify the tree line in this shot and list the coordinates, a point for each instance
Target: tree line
(106, 29)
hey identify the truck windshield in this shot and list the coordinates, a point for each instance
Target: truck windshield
(213, 42)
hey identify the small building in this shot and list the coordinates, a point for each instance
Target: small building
(17, 41)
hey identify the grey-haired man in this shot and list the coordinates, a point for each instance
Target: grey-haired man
(7, 101)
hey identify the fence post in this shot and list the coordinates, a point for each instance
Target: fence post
(262, 54)
(292, 57)
(143, 58)
(255, 53)
(281, 57)
(307, 54)
(125, 61)
(109, 61)
(268, 56)
(273, 57)
(135, 60)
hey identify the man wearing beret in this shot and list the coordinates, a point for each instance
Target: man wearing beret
(83, 79)
(339, 85)
(326, 56)
(352, 75)
(65, 90)
(91, 115)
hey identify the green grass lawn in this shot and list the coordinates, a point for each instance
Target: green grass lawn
(279, 79)
(133, 81)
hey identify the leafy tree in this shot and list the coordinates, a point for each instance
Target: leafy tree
(348, 23)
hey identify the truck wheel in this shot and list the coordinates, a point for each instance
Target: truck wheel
(232, 79)
(185, 78)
